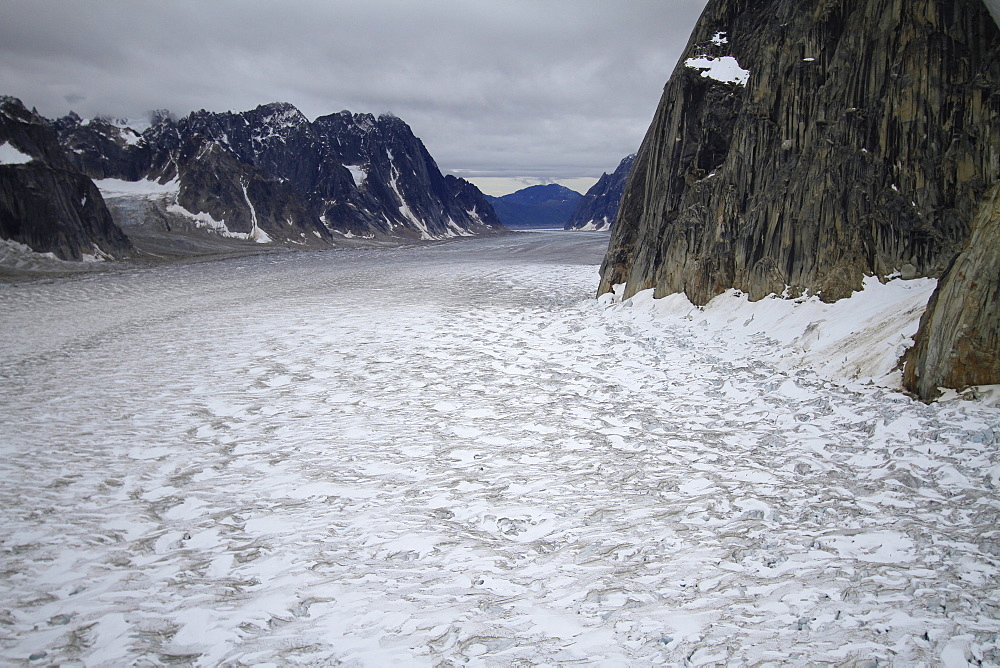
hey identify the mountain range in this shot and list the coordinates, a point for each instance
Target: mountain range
(267, 176)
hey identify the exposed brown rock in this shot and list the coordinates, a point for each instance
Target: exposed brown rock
(862, 143)
(958, 344)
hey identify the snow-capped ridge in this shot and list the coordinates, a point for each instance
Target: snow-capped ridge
(297, 168)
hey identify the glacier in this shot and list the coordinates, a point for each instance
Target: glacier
(452, 454)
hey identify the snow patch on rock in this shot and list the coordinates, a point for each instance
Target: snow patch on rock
(11, 156)
(725, 69)
(142, 188)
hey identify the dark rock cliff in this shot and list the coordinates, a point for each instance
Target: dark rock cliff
(270, 172)
(958, 343)
(598, 208)
(806, 143)
(45, 203)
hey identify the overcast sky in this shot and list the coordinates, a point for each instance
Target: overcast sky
(506, 93)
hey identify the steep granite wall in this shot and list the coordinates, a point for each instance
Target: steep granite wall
(45, 203)
(801, 144)
(958, 343)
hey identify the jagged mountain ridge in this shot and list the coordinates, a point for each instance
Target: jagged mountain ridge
(536, 206)
(800, 145)
(45, 203)
(599, 206)
(272, 170)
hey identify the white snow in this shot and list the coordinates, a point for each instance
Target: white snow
(208, 222)
(719, 39)
(16, 255)
(95, 255)
(473, 215)
(726, 69)
(358, 172)
(455, 455)
(593, 225)
(11, 156)
(256, 233)
(859, 339)
(131, 137)
(404, 208)
(141, 188)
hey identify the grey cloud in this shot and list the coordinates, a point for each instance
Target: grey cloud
(544, 88)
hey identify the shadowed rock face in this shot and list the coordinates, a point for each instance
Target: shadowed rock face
(958, 343)
(806, 143)
(45, 203)
(598, 208)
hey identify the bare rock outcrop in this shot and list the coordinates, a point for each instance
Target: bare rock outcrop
(802, 144)
(45, 203)
(958, 343)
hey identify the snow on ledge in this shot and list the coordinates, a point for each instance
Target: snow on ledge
(726, 69)
(141, 188)
(358, 173)
(11, 156)
(859, 339)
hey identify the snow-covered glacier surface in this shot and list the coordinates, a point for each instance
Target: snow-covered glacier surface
(455, 455)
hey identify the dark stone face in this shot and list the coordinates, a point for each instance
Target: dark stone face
(858, 142)
(958, 343)
(46, 204)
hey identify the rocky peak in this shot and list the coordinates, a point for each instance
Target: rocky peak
(45, 203)
(30, 134)
(599, 206)
(345, 173)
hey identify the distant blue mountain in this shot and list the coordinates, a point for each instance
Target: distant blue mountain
(536, 206)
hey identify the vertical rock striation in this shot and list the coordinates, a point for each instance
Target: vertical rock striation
(958, 343)
(45, 203)
(801, 144)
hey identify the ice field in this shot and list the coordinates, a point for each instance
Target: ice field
(455, 455)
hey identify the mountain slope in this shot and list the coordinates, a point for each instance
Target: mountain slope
(598, 208)
(536, 206)
(271, 174)
(45, 203)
